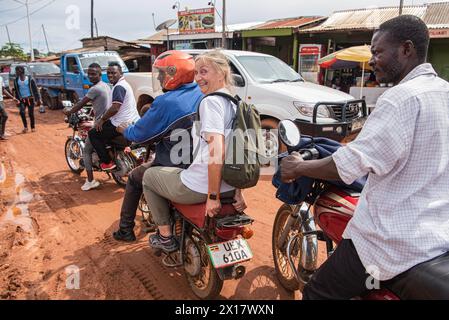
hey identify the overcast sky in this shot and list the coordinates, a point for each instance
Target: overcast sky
(132, 19)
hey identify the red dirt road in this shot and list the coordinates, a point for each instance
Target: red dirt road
(48, 226)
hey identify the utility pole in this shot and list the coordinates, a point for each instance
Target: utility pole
(7, 31)
(401, 3)
(92, 19)
(223, 38)
(46, 40)
(29, 31)
(96, 27)
(26, 4)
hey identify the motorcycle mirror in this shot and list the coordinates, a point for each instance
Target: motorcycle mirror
(289, 133)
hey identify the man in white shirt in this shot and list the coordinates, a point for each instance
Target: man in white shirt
(402, 217)
(123, 110)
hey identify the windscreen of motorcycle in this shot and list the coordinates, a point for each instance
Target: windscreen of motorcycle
(158, 78)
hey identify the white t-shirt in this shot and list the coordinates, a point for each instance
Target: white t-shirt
(1, 88)
(123, 93)
(216, 114)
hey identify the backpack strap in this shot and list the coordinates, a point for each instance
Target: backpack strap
(236, 100)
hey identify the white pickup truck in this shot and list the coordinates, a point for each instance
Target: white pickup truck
(279, 93)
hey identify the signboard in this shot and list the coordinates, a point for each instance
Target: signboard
(439, 33)
(196, 21)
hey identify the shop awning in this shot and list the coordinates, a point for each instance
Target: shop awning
(347, 58)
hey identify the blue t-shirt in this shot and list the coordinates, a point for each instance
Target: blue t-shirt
(24, 88)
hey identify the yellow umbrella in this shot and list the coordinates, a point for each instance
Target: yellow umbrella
(360, 54)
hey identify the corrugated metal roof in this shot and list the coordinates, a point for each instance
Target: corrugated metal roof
(364, 19)
(437, 15)
(286, 23)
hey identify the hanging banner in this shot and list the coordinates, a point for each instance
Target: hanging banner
(196, 21)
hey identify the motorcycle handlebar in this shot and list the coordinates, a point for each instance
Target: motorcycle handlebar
(309, 154)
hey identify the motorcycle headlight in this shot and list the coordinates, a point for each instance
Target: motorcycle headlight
(306, 109)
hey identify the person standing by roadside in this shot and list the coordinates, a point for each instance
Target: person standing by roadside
(3, 114)
(28, 96)
(100, 96)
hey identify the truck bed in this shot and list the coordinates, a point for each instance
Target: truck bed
(53, 80)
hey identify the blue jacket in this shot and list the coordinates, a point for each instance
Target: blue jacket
(297, 191)
(173, 110)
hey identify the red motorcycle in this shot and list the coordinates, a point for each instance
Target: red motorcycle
(211, 250)
(127, 156)
(295, 236)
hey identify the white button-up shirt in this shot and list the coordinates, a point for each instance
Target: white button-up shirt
(402, 217)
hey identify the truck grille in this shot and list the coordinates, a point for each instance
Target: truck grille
(352, 111)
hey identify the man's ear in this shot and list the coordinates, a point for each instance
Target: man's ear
(408, 48)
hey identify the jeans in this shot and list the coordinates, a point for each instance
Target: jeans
(99, 139)
(133, 192)
(87, 154)
(24, 104)
(3, 118)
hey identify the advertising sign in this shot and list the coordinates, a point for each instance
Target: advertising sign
(196, 21)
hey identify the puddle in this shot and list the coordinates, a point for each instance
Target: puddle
(17, 199)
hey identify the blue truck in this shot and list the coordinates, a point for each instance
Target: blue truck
(72, 83)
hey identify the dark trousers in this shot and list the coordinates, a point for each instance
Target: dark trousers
(24, 104)
(100, 138)
(133, 192)
(3, 118)
(341, 277)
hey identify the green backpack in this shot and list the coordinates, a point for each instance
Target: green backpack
(242, 167)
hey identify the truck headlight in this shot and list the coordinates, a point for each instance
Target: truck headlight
(306, 109)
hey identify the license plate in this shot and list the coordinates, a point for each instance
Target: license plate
(358, 124)
(228, 253)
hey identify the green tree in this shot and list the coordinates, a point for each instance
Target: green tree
(11, 49)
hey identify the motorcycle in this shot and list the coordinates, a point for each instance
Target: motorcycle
(295, 235)
(127, 156)
(211, 250)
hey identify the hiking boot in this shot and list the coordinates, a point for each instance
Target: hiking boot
(108, 166)
(90, 185)
(121, 235)
(167, 244)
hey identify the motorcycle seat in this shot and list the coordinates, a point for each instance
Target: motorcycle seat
(428, 280)
(196, 213)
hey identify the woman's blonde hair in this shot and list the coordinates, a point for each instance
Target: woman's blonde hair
(219, 62)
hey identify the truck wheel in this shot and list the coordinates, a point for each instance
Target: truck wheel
(272, 144)
(47, 100)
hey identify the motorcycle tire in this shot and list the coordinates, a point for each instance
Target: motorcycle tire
(211, 287)
(283, 270)
(130, 162)
(73, 160)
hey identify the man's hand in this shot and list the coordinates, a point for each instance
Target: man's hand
(213, 207)
(122, 127)
(16, 100)
(99, 125)
(240, 203)
(289, 166)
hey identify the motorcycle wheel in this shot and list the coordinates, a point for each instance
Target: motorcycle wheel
(147, 218)
(283, 270)
(207, 285)
(73, 155)
(126, 164)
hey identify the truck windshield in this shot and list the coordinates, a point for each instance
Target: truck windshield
(44, 68)
(266, 69)
(102, 59)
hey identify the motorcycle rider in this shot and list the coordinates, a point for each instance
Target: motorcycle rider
(201, 182)
(402, 216)
(175, 109)
(122, 110)
(100, 97)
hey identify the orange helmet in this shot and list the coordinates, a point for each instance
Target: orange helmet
(172, 69)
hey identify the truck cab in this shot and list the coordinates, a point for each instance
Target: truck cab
(74, 69)
(72, 83)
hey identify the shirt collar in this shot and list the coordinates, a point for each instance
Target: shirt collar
(420, 70)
